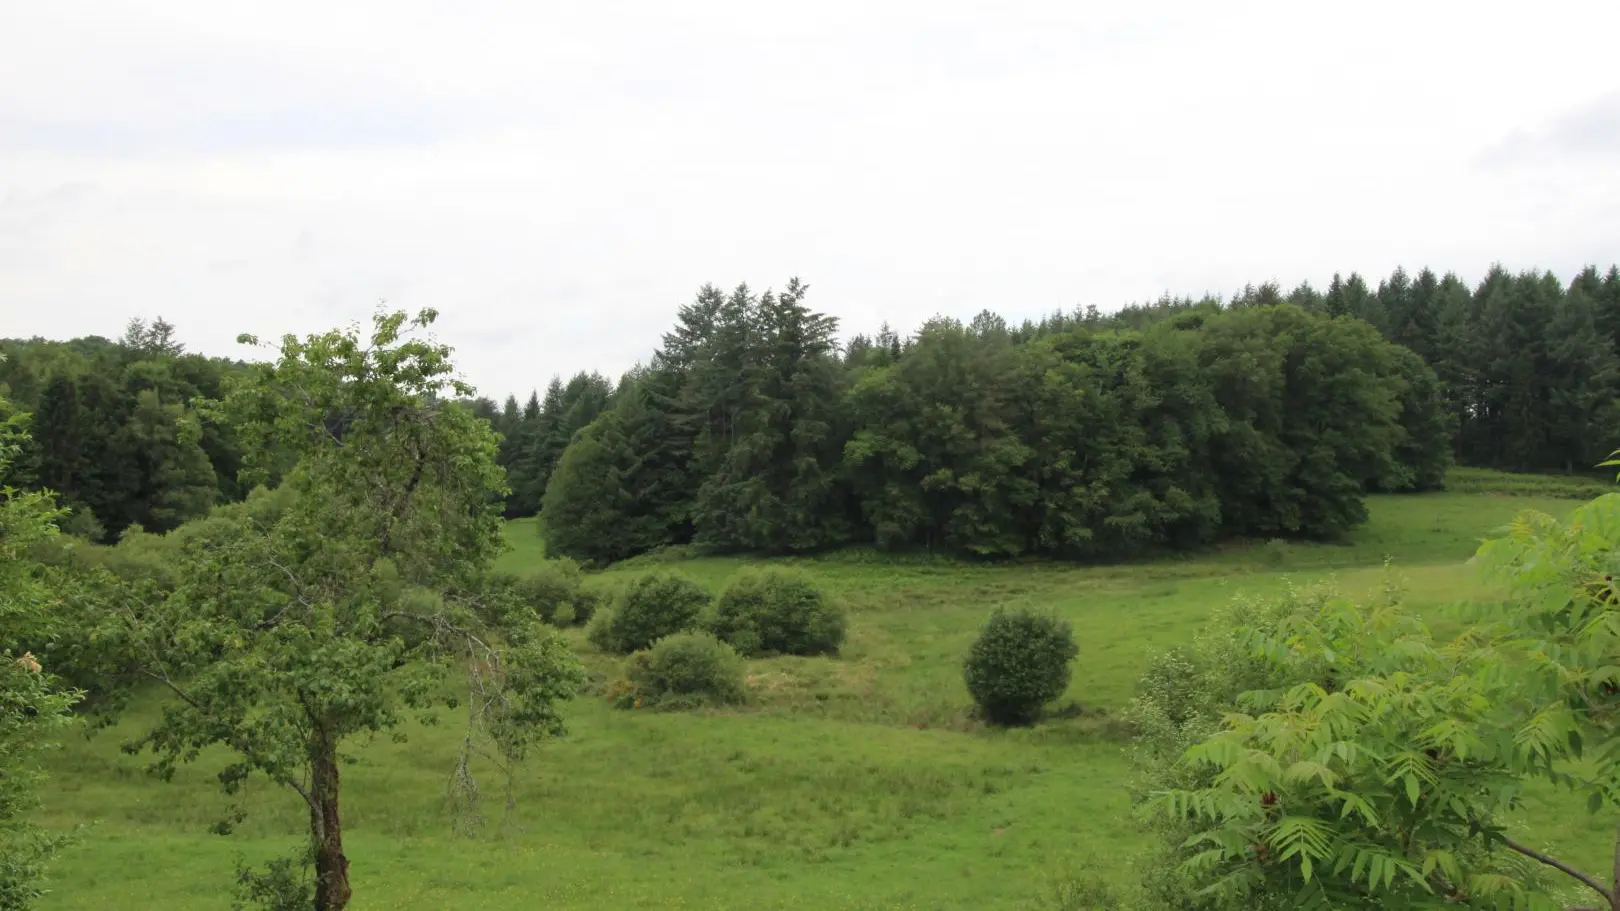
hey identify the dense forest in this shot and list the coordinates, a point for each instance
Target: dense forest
(749, 431)
(1083, 434)
(116, 430)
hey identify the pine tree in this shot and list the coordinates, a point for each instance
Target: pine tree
(1455, 361)
(1605, 295)
(519, 458)
(61, 441)
(1583, 379)
(1408, 321)
(1334, 302)
(769, 447)
(549, 440)
(1306, 298)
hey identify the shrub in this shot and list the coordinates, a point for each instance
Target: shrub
(686, 670)
(555, 592)
(1275, 552)
(599, 631)
(776, 611)
(656, 605)
(1019, 663)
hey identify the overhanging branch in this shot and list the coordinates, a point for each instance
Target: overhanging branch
(1562, 867)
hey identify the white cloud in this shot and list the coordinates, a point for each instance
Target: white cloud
(557, 179)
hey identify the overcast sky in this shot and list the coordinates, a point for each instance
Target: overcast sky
(557, 178)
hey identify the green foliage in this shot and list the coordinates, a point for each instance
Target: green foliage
(34, 706)
(1369, 765)
(283, 885)
(1275, 552)
(653, 606)
(777, 612)
(683, 671)
(554, 590)
(622, 487)
(1018, 664)
(116, 432)
(341, 611)
(767, 387)
(534, 436)
(1082, 440)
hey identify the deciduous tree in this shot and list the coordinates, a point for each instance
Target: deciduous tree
(288, 635)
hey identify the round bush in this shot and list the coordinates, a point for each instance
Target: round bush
(686, 670)
(555, 591)
(656, 605)
(777, 612)
(1019, 663)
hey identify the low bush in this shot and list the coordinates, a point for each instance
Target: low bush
(1019, 663)
(1275, 552)
(686, 670)
(656, 605)
(555, 591)
(777, 612)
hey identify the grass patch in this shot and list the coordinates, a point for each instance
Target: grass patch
(526, 545)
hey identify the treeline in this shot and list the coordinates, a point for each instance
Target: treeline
(114, 428)
(1528, 373)
(751, 430)
(1529, 366)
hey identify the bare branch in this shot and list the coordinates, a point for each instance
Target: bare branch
(1562, 867)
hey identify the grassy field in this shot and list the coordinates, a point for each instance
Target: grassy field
(860, 782)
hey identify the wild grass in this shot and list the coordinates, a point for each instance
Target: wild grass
(1584, 485)
(858, 782)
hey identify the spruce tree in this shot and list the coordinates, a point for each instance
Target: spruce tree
(773, 392)
(1584, 374)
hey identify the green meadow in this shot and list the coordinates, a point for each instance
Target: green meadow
(861, 782)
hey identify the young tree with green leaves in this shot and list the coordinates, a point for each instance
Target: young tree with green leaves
(289, 634)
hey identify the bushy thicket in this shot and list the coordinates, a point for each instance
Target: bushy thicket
(1018, 664)
(749, 432)
(653, 606)
(1302, 743)
(682, 671)
(777, 612)
(1180, 700)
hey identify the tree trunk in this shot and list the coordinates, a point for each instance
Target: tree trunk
(331, 867)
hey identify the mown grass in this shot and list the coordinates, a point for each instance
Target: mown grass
(857, 782)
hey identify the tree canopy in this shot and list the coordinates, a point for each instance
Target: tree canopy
(751, 431)
(752, 400)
